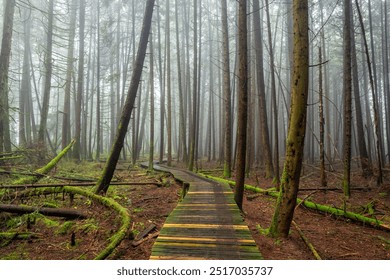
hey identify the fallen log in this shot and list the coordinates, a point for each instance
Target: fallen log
(307, 242)
(45, 169)
(56, 212)
(86, 184)
(314, 206)
(18, 235)
(117, 238)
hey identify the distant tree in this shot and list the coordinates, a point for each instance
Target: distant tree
(263, 119)
(289, 184)
(25, 89)
(5, 137)
(194, 93)
(80, 84)
(169, 91)
(321, 120)
(273, 96)
(48, 76)
(104, 182)
(151, 81)
(69, 71)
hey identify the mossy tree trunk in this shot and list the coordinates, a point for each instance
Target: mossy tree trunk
(242, 90)
(108, 172)
(284, 211)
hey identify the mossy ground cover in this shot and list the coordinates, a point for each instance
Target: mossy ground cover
(58, 238)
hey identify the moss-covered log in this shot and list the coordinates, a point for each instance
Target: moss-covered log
(307, 242)
(17, 235)
(45, 169)
(315, 206)
(56, 212)
(117, 238)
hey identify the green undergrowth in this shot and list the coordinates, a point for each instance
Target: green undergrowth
(314, 206)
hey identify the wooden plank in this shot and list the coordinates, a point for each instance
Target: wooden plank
(206, 224)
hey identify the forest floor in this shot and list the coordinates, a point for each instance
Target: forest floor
(334, 238)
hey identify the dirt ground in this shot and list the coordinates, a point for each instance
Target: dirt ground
(333, 237)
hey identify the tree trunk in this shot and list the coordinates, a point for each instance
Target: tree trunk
(242, 90)
(69, 71)
(47, 83)
(194, 92)
(103, 184)
(5, 137)
(80, 84)
(151, 73)
(264, 132)
(363, 154)
(227, 170)
(374, 98)
(284, 211)
(180, 91)
(25, 90)
(321, 117)
(169, 93)
(347, 88)
(273, 96)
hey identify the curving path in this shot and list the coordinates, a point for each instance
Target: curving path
(206, 224)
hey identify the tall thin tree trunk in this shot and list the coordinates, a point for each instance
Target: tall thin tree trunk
(273, 96)
(151, 81)
(374, 98)
(104, 181)
(265, 142)
(321, 117)
(242, 90)
(227, 169)
(169, 93)
(98, 111)
(25, 90)
(194, 92)
(347, 88)
(180, 90)
(289, 186)
(363, 154)
(80, 84)
(47, 83)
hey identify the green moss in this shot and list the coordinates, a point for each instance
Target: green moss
(66, 227)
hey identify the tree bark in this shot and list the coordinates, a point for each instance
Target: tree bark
(103, 184)
(242, 90)
(284, 211)
(347, 88)
(227, 170)
(322, 126)
(5, 137)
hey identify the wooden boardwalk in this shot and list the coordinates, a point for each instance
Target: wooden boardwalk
(206, 224)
